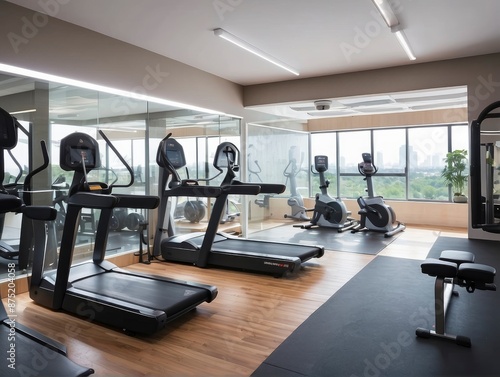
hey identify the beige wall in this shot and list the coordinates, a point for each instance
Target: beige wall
(452, 215)
(386, 120)
(480, 74)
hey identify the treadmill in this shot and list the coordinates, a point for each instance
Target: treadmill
(30, 353)
(98, 290)
(211, 248)
(26, 351)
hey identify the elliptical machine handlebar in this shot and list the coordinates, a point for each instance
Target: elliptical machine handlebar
(31, 174)
(122, 160)
(294, 166)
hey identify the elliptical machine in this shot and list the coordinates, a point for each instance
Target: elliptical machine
(374, 213)
(295, 200)
(328, 212)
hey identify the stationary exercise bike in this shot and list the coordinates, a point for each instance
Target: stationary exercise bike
(295, 200)
(328, 212)
(375, 214)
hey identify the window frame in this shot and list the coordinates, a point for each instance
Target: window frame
(407, 170)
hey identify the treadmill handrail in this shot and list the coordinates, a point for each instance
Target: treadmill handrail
(92, 200)
(31, 174)
(10, 203)
(241, 189)
(196, 190)
(265, 188)
(43, 213)
(122, 160)
(137, 201)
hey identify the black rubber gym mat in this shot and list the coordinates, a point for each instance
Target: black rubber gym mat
(368, 327)
(361, 242)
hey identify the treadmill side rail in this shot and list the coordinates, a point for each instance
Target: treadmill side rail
(90, 200)
(137, 201)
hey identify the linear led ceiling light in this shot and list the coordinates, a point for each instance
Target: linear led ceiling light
(404, 43)
(393, 23)
(254, 50)
(86, 85)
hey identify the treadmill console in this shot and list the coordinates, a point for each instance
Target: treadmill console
(174, 152)
(79, 152)
(81, 155)
(226, 156)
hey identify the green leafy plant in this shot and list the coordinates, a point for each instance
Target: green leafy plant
(455, 171)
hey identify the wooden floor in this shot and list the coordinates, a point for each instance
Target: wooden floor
(232, 335)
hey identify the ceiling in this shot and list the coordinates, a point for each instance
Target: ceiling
(316, 37)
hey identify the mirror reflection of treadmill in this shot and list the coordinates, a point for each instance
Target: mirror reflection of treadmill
(26, 351)
(212, 248)
(98, 290)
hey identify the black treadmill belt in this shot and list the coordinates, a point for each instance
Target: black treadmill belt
(34, 358)
(243, 245)
(169, 297)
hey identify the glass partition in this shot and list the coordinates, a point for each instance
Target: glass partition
(199, 135)
(277, 155)
(73, 109)
(52, 111)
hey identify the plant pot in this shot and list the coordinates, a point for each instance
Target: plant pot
(459, 199)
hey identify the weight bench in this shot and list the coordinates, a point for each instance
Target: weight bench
(454, 267)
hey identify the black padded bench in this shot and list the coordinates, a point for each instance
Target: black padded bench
(454, 267)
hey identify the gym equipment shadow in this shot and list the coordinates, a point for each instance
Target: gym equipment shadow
(368, 327)
(363, 242)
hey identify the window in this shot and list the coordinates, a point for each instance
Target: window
(352, 145)
(389, 148)
(389, 156)
(427, 147)
(460, 137)
(409, 160)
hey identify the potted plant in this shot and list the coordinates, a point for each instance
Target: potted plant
(455, 174)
